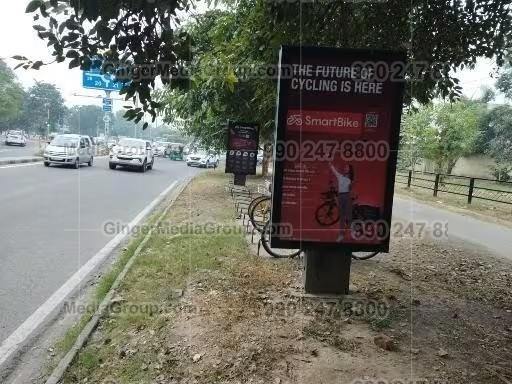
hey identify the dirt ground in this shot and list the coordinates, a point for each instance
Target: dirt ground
(426, 312)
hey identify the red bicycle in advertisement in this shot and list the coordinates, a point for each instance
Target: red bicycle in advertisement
(328, 213)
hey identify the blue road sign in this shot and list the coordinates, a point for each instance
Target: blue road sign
(107, 104)
(97, 80)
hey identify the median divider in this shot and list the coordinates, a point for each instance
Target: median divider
(20, 160)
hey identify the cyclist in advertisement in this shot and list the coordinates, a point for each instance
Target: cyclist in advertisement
(345, 180)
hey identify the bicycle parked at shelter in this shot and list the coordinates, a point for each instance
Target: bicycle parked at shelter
(260, 208)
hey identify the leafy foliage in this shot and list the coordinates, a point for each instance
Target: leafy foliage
(11, 94)
(415, 136)
(495, 138)
(86, 120)
(442, 133)
(214, 92)
(504, 82)
(224, 42)
(453, 33)
(123, 33)
(457, 125)
(122, 127)
(499, 120)
(43, 105)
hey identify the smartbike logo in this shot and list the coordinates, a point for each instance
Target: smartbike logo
(325, 121)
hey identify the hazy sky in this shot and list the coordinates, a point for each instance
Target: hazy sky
(18, 37)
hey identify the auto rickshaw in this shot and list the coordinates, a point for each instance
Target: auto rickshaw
(175, 151)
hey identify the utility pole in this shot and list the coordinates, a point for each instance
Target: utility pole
(48, 122)
(156, 127)
(137, 124)
(106, 116)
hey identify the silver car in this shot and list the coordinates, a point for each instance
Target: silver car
(203, 159)
(16, 138)
(69, 150)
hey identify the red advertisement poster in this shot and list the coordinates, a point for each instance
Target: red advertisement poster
(337, 136)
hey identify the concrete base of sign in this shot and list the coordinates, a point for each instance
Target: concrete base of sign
(327, 271)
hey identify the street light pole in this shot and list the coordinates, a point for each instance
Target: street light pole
(156, 127)
(48, 122)
(136, 124)
(107, 119)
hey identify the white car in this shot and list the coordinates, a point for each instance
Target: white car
(160, 147)
(16, 138)
(133, 153)
(99, 140)
(69, 150)
(259, 158)
(202, 159)
(111, 143)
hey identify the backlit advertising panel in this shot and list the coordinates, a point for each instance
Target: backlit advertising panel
(241, 157)
(338, 121)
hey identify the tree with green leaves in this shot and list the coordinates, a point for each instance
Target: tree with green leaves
(11, 95)
(86, 120)
(453, 33)
(442, 133)
(497, 128)
(251, 34)
(121, 126)
(499, 139)
(44, 109)
(504, 81)
(416, 135)
(214, 94)
(488, 94)
(123, 34)
(457, 125)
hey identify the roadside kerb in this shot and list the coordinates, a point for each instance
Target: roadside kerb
(21, 160)
(64, 363)
(26, 160)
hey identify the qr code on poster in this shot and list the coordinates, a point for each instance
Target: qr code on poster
(371, 120)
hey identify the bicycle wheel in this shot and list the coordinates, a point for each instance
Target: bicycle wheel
(327, 214)
(251, 204)
(363, 255)
(276, 252)
(259, 213)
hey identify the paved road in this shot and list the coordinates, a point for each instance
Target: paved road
(496, 238)
(51, 222)
(15, 151)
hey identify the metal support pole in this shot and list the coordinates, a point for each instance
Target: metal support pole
(239, 179)
(436, 184)
(48, 124)
(471, 188)
(137, 124)
(106, 115)
(327, 270)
